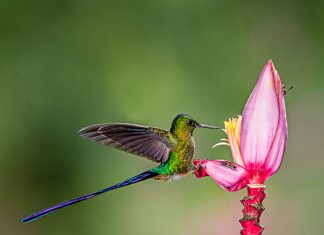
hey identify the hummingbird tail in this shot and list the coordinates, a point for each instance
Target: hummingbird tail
(143, 176)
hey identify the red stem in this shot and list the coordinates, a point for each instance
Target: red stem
(252, 210)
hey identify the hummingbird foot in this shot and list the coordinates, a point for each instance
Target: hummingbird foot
(200, 168)
(198, 163)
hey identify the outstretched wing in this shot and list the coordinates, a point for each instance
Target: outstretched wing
(150, 142)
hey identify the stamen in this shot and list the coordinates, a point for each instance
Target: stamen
(233, 132)
(220, 143)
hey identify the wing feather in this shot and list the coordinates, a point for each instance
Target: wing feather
(150, 142)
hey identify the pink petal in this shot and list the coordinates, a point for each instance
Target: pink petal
(260, 119)
(228, 175)
(278, 147)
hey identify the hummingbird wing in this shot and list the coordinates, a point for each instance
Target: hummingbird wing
(150, 142)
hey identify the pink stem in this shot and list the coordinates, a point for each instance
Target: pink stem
(252, 210)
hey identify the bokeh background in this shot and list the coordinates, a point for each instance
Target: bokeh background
(67, 64)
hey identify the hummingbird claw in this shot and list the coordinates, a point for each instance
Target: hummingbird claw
(200, 168)
(198, 163)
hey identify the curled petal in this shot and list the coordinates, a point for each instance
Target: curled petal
(278, 146)
(229, 175)
(260, 119)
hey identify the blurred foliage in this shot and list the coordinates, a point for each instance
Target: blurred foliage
(68, 64)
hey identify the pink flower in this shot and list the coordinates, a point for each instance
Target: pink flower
(257, 138)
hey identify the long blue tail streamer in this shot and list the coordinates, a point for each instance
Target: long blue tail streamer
(143, 176)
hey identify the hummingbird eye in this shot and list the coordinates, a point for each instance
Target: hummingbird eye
(191, 122)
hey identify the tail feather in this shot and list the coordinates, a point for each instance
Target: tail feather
(143, 176)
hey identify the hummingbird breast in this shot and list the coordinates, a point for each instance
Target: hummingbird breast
(184, 155)
(180, 161)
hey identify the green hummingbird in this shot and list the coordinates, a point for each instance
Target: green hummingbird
(173, 149)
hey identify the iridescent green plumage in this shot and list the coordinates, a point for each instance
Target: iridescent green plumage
(180, 161)
(174, 149)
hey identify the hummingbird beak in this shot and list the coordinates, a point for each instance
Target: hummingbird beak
(206, 126)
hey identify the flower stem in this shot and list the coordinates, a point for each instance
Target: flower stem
(252, 210)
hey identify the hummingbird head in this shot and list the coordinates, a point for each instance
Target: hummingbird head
(183, 126)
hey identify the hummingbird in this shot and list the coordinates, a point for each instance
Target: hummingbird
(173, 149)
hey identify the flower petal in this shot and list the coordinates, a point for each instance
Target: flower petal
(278, 147)
(260, 119)
(229, 175)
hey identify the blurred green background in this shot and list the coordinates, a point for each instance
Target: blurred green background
(67, 64)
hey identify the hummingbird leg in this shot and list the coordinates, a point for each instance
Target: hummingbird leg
(198, 163)
(200, 168)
